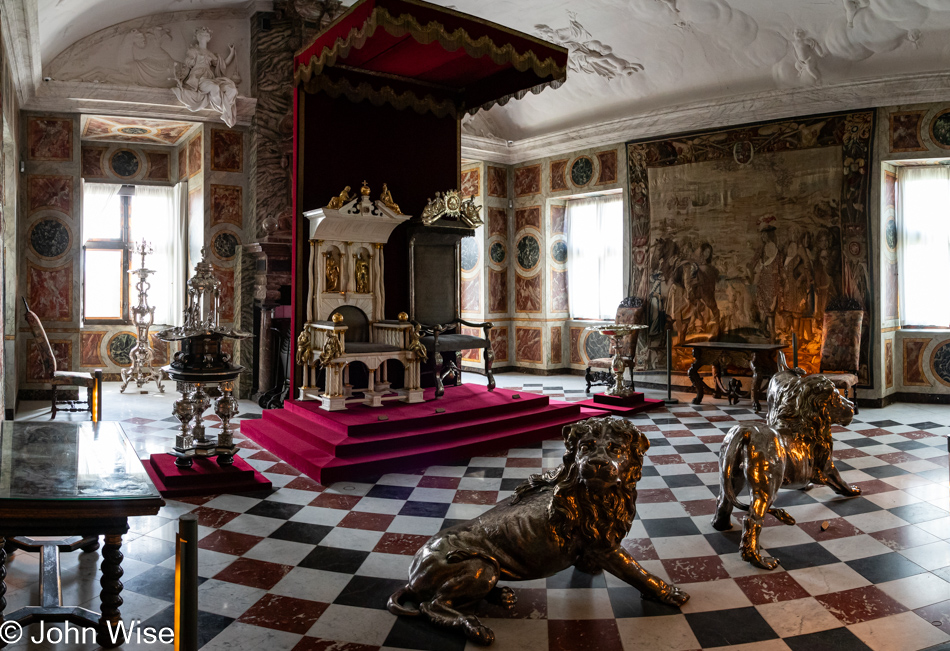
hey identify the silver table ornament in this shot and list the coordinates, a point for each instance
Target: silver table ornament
(143, 317)
(202, 371)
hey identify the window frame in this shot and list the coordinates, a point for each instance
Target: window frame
(111, 244)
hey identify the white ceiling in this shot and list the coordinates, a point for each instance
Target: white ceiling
(693, 53)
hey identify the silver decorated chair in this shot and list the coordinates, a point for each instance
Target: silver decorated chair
(630, 311)
(841, 346)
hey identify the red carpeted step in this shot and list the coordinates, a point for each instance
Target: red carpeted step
(287, 438)
(394, 416)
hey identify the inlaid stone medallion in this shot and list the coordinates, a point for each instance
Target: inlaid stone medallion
(529, 252)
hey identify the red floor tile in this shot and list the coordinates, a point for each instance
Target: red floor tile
(284, 613)
(216, 518)
(877, 431)
(695, 569)
(849, 453)
(837, 528)
(700, 507)
(400, 543)
(304, 483)
(712, 438)
(640, 548)
(475, 497)
(860, 604)
(317, 644)
(917, 434)
(336, 501)
(897, 457)
(264, 455)
(368, 521)
(254, 573)
(665, 459)
(228, 542)
(705, 466)
(771, 588)
(283, 469)
(903, 537)
(874, 486)
(523, 462)
(679, 434)
(655, 495)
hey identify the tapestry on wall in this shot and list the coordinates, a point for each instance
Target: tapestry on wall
(747, 234)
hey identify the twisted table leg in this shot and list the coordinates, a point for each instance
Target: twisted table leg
(110, 596)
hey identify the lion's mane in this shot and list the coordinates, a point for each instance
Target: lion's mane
(795, 404)
(603, 519)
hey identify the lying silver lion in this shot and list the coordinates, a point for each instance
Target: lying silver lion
(575, 515)
(791, 450)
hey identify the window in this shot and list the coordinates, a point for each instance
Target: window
(924, 251)
(595, 262)
(116, 217)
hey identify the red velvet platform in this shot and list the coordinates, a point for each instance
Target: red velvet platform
(205, 477)
(363, 441)
(632, 404)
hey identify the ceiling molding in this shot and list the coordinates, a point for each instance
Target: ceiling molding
(133, 101)
(755, 107)
(20, 27)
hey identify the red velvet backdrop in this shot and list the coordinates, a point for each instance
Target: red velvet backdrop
(340, 143)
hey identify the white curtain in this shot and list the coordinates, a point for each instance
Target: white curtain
(594, 261)
(156, 218)
(924, 249)
(99, 216)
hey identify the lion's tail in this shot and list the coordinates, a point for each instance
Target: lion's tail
(396, 606)
(729, 463)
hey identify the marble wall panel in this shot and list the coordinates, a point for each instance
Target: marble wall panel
(50, 139)
(471, 183)
(556, 345)
(159, 166)
(527, 180)
(559, 302)
(528, 345)
(226, 277)
(557, 220)
(608, 167)
(498, 222)
(62, 351)
(182, 163)
(888, 363)
(471, 294)
(472, 354)
(90, 344)
(914, 362)
(528, 216)
(576, 346)
(226, 205)
(497, 291)
(227, 150)
(160, 357)
(92, 162)
(50, 291)
(499, 344)
(51, 192)
(558, 178)
(194, 155)
(905, 131)
(528, 294)
(497, 182)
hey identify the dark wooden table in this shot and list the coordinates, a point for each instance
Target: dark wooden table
(75, 480)
(761, 359)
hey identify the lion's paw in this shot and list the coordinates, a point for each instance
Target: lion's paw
(765, 562)
(670, 595)
(854, 490)
(479, 633)
(782, 516)
(506, 597)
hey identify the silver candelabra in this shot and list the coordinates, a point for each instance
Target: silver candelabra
(142, 316)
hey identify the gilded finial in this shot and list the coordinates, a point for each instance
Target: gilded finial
(402, 316)
(365, 189)
(337, 318)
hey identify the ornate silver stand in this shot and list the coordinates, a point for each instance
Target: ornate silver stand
(143, 316)
(202, 371)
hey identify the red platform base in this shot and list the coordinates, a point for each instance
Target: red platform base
(626, 406)
(363, 441)
(205, 477)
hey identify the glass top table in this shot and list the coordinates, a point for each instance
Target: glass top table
(70, 461)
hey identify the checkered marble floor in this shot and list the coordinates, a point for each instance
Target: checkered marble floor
(310, 567)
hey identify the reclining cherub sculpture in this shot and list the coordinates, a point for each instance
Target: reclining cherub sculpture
(792, 449)
(575, 515)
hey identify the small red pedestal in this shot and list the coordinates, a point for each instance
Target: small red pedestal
(205, 477)
(626, 405)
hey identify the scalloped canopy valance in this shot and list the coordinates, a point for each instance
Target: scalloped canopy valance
(413, 54)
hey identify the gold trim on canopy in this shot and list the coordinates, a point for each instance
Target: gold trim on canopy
(308, 74)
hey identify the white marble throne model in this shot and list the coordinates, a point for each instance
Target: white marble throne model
(345, 303)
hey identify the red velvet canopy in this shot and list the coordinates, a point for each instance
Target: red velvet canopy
(413, 54)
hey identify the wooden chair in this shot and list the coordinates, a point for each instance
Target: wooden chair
(631, 310)
(841, 346)
(92, 381)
